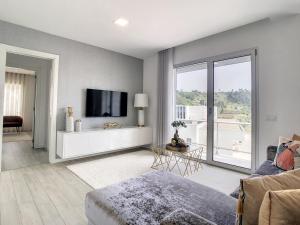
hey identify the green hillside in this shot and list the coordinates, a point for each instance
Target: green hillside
(231, 105)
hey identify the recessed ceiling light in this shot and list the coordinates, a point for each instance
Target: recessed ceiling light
(121, 22)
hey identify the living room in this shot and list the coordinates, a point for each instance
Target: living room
(158, 116)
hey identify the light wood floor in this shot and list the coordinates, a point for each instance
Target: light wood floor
(14, 137)
(42, 195)
(21, 154)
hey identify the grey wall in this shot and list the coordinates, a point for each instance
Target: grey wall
(150, 87)
(81, 66)
(278, 44)
(42, 68)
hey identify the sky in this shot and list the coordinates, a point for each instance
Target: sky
(227, 78)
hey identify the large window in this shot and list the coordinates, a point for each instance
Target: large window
(216, 99)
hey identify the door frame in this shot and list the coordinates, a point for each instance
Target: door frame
(4, 49)
(34, 110)
(252, 52)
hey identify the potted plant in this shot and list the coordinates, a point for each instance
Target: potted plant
(177, 124)
(177, 142)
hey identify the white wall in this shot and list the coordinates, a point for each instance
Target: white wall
(278, 44)
(150, 76)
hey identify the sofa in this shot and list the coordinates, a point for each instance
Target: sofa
(267, 168)
(162, 198)
(13, 121)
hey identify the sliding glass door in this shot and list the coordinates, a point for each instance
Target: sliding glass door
(216, 98)
(191, 103)
(232, 102)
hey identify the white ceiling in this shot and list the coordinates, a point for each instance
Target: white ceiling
(153, 24)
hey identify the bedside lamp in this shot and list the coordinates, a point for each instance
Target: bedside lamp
(141, 102)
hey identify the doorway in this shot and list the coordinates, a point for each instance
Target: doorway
(25, 120)
(50, 106)
(216, 98)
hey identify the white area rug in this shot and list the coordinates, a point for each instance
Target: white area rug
(106, 171)
(102, 172)
(14, 137)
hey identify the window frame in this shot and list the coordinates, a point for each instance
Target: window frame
(252, 52)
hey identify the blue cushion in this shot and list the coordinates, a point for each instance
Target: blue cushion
(267, 168)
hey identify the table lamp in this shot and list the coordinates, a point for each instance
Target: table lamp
(141, 102)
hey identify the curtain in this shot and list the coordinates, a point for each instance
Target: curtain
(166, 98)
(14, 95)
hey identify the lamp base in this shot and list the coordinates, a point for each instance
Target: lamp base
(141, 118)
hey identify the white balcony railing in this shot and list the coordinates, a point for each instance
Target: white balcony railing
(232, 139)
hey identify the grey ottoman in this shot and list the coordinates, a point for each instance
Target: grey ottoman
(149, 198)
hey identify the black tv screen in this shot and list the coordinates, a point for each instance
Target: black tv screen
(101, 103)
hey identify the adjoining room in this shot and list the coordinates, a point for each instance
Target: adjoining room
(19, 98)
(25, 119)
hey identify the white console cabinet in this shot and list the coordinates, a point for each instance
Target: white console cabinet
(89, 142)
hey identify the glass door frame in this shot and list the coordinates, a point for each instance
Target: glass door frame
(210, 106)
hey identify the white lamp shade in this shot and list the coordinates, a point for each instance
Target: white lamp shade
(141, 100)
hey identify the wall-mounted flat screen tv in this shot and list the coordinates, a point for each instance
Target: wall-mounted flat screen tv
(102, 103)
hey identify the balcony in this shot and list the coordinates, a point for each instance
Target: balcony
(232, 139)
